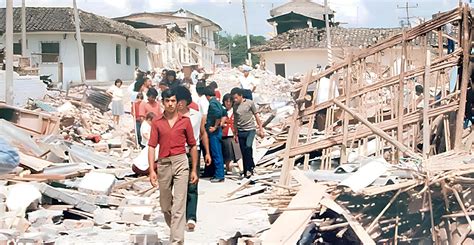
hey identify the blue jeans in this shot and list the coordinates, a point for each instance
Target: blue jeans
(215, 143)
(245, 142)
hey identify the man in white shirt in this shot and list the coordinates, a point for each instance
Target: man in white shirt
(191, 109)
(203, 105)
(247, 83)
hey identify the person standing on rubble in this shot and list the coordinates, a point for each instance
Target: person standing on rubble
(213, 127)
(190, 109)
(172, 131)
(245, 115)
(247, 83)
(117, 100)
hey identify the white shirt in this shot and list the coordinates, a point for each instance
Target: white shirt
(141, 161)
(247, 82)
(133, 94)
(203, 105)
(196, 119)
(324, 90)
(117, 93)
(145, 131)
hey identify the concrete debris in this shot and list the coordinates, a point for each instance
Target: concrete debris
(97, 183)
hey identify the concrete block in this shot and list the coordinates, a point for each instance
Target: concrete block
(97, 183)
(71, 224)
(103, 216)
(22, 195)
(144, 236)
(52, 230)
(63, 196)
(44, 216)
(128, 216)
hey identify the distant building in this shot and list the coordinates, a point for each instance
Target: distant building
(111, 49)
(298, 51)
(299, 14)
(185, 37)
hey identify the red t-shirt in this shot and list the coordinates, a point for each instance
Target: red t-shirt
(136, 109)
(172, 140)
(146, 107)
(228, 129)
(218, 95)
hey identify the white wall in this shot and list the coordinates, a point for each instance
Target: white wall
(296, 61)
(107, 69)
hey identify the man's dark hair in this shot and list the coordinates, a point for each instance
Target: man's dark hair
(152, 93)
(236, 91)
(117, 81)
(182, 93)
(138, 84)
(150, 116)
(200, 87)
(171, 73)
(213, 85)
(163, 83)
(168, 94)
(140, 96)
(208, 91)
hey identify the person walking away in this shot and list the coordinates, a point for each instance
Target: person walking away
(245, 115)
(136, 116)
(117, 100)
(203, 105)
(190, 109)
(214, 130)
(247, 83)
(140, 164)
(172, 131)
(230, 149)
(151, 105)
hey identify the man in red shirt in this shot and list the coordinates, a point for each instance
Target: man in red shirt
(172, 131)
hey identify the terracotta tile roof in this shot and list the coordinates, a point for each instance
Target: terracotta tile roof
(61, 19)
(316, 38)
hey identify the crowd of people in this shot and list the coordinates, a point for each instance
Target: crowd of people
(180, 120)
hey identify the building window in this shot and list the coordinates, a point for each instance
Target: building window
(118, 54)
(49, 52)
(137, 57)
(127, 56)
(280, 69)
(17, 48)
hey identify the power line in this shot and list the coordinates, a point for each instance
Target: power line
(408, 17)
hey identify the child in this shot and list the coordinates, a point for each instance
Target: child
(117, 102)
(140, 164)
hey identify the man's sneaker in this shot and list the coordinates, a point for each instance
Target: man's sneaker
(214, 180)
(191, 225)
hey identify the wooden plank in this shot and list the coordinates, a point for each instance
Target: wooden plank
(466, 71)
(288, 228)
(347, 92)
(34, 163)
(353, 223)
(401, 96)
(426, 101)
(378, 131)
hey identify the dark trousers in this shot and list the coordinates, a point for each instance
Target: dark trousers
(192, 198)
(138, 125)
(215, 143)
(245, 142)
(210, 170)
(247, 94)
(450, 46)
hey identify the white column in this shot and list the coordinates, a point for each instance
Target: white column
(9, 53)
(80, 48)
(23, 28)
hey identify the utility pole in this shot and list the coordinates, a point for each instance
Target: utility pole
(23, 28)
(408, 17)
(9, 53)
(80, 48)
(328, 32)
(247, 32)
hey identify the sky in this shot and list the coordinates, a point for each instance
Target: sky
(228, 13)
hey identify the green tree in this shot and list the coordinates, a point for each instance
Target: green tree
(239, 52)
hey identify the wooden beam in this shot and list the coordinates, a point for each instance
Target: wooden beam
(377, 130)
(401, 96)
(347, 92)
(426, 97)
(465, 79)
